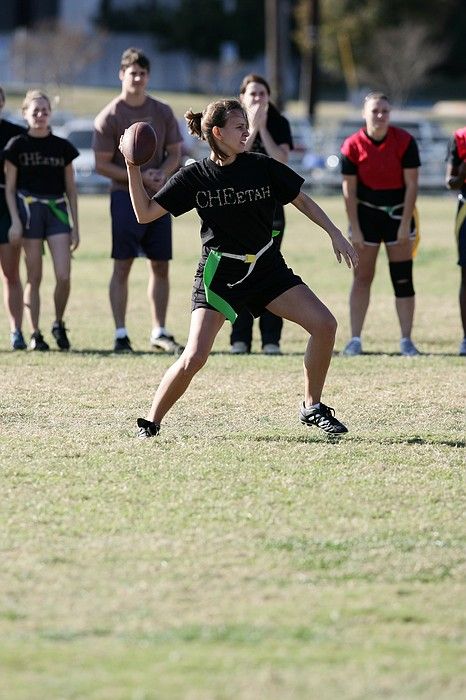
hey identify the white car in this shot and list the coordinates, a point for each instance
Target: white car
(79, 133)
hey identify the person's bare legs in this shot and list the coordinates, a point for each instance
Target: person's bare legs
(300, 304)
(12, 287)
(118, 290)
(33, 257)
(404, 305)
(158, 290)
(205, 325)
(363, 276)
(59, 246)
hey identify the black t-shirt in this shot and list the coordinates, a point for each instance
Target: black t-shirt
(41, 163)
(236, 202)
(7, 131)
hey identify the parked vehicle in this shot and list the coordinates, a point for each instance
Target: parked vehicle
(79, 132)
(430, 137)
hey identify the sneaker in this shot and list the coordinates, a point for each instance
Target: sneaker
(17, 340)
(122, 345)
(59, 333)
(147, 429)
(462, 350)
(323, 417)
(166, 343)
(239, 347)
(38, 342)
(271, 349)
(354, 347)
(407, 348)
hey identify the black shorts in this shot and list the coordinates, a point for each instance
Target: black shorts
(39, 219)
(460, 230)
(131, 239)
(377, 226)
(270, 278)
(5, 221)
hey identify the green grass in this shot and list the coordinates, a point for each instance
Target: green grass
(239, 555)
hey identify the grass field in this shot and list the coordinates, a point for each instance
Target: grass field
(238, 556)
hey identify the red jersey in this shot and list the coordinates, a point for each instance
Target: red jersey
(379, 165)
(460, 141)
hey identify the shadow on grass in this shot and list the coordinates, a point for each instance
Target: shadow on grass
(337, 440)
(157, 353)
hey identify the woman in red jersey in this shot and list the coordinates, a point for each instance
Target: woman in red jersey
(456, 180)
(380, 183)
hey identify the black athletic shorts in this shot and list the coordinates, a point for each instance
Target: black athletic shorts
(379, 227)
(270, 278)
(5, 221)
(460, 230)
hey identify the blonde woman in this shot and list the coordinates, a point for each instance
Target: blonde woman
(39, 187)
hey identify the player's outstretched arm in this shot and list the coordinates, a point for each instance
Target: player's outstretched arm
(341, 246)
(145, 208)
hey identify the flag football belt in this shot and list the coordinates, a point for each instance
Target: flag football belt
(388, 210)
(210, 268)
(28, 199)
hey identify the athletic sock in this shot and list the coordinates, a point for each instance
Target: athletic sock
(121, 333)
(158, 331)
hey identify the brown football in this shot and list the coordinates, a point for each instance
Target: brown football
(139, 143)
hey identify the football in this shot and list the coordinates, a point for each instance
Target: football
(138, 143)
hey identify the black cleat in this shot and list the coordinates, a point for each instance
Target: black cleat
(59, 333)
(38, 343)
(323, 417)
(122, 345)
(147, 429)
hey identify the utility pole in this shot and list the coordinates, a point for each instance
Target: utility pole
(313, 29)
(274, 49)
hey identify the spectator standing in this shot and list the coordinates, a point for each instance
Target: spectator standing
(129, 238)
(270, 134)
(40, 187)
(10, 254)
(380, 182)
(456, 180)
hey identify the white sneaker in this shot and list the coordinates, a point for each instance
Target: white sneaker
(407, 348)
(271, 349)
(462, 350)
(167, 343)
(239, 347)
(353, 347)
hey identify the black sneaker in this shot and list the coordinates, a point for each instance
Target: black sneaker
(38, 342)
(59, 333)
(147, 429)
(17, 340)
(323, 417)
(122, 345)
